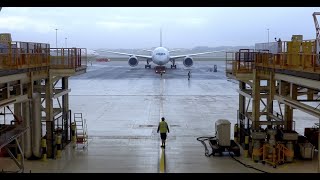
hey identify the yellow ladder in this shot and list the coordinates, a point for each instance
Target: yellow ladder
(81, 130)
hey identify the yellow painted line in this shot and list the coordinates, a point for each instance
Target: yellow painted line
(162, 161)
(162, 158)
(162, 82)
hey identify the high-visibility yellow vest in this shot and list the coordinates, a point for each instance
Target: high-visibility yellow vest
(163, 127)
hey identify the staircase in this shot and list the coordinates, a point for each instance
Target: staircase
(81, 130)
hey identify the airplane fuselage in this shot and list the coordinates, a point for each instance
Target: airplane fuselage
(160, 56)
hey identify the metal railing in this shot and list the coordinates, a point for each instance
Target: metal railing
(18, 59)
(240, 62)
(289, 61)
(23, 55)
(18, 55)
(245, 62)
(68, 58)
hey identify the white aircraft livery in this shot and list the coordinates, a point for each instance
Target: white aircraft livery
(160, 56)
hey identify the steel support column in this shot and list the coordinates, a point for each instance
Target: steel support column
(49, 115)
(272, 87)
(65, 105)
(256, 100)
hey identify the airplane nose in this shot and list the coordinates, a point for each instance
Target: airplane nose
(162, 61)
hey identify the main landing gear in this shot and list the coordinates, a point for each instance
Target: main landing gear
(173, 65)
(148, 65)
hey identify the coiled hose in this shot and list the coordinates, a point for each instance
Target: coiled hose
(206, 153)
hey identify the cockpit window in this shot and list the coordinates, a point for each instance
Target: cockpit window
(160, 54)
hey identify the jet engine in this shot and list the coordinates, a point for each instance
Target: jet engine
(133, 61)
(188, 62)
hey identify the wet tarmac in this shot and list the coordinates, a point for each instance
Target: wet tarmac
(123, 105)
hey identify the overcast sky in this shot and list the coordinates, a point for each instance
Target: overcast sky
(134, 27)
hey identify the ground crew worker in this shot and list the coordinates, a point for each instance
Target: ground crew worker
(163, 128)
(189, 74)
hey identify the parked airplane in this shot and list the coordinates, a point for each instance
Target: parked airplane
(161, 56)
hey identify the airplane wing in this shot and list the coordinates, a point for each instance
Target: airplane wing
(127, 54)
(195, 54)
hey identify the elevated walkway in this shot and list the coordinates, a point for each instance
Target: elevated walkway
(295, 58)
(34, 72)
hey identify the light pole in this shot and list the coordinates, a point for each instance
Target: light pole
(66, 41)
(268, 39)
(56, 38)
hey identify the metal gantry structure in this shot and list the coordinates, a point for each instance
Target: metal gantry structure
(315, 14)
(32, 77)
(315, 19)
(274, 79)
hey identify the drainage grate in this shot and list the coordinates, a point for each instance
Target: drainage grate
(174, 125)
(149, 125)
(141, 126)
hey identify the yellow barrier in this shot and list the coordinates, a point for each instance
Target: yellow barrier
(44, 149)
(58, 139)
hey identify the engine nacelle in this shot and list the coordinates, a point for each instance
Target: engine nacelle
(188, 62)
(133, 61)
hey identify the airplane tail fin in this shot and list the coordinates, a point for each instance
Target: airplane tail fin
(160, 37)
